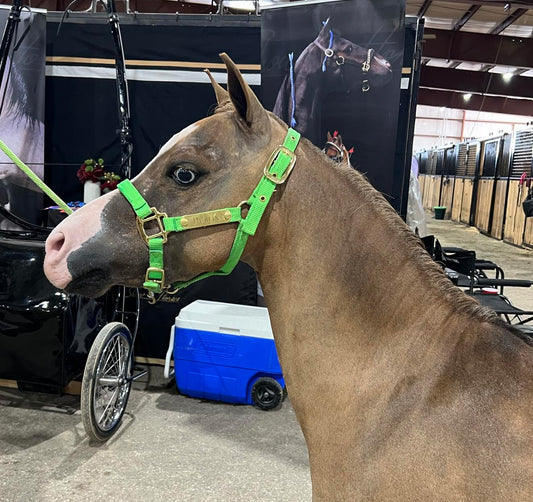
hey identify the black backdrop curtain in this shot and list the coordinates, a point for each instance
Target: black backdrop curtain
(81, 111)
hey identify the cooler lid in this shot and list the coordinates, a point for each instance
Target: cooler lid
(228, 318)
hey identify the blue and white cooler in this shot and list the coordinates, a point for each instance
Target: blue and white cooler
(226, 352)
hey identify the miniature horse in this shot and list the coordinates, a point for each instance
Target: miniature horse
(335, 149)
(405, 388)
(328, 64)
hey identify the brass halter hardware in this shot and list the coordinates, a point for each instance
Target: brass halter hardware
(156, 216)
(278, 180)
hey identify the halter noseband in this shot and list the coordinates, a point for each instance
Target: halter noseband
(276, 172)
(341, 60)
(340, 153)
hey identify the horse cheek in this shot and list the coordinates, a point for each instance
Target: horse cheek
(204, 249)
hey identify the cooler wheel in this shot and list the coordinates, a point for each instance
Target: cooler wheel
(267, 394)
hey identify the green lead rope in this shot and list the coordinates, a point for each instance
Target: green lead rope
(38, 181)
(276, 172)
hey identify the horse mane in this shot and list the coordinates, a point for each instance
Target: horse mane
(417, 254)
(416, 251)
(19, 95)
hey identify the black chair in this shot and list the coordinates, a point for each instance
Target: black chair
(467, 271)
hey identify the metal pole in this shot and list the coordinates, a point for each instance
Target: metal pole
(7, 37)
(126, 146)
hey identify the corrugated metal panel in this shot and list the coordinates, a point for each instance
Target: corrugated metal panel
(471, 161)
(523, 153)
(462, 156)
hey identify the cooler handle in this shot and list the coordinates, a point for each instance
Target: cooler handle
(169, 372)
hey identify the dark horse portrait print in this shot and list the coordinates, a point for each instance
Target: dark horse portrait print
(328, 64)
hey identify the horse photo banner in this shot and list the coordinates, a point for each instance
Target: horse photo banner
(336, 67)
(22, 115)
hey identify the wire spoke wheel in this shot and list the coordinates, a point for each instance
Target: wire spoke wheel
(106, 381)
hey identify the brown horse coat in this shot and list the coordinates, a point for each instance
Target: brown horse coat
(405, 388)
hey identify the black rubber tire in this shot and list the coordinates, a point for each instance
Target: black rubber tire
(114, 338)
(267, 394)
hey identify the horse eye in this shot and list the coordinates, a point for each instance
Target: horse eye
(184, 176)
(349, 49)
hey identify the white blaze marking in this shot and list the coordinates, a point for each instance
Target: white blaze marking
(177, 137)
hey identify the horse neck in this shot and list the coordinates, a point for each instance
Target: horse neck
(339, 269)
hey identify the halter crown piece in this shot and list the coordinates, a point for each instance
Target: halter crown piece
(276, 172)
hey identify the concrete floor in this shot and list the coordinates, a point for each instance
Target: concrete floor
(179, 448)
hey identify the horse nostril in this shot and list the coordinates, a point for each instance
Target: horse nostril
(55, 242)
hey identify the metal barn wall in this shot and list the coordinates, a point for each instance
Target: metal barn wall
(488, 184)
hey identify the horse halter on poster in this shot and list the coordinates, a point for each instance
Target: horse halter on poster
(340, 60)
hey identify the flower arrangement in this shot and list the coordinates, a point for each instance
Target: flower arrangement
(109, 182)
(93, 170)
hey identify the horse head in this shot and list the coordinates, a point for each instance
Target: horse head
(335, 148)
(212, 164)
(359, 67)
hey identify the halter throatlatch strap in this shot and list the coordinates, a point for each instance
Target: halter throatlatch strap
(154, 226)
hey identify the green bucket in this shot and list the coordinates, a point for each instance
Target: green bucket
(439, 212)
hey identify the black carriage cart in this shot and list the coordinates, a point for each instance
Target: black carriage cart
(47, 336)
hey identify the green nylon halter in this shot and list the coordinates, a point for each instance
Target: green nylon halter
(275, 173)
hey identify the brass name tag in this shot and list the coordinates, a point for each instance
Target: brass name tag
(205, 219)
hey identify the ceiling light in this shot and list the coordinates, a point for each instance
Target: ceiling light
(467, 96)
(507, 76)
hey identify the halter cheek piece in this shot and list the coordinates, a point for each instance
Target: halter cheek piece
(341, 60)
(365, 68)
(276, 172)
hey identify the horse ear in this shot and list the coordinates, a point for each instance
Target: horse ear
(324, 32)
(329, 138)
(221, 93)
(246, 104)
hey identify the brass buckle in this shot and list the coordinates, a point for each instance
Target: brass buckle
(366, 64)
(157, 281)
(158, 217)
(273, 176)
